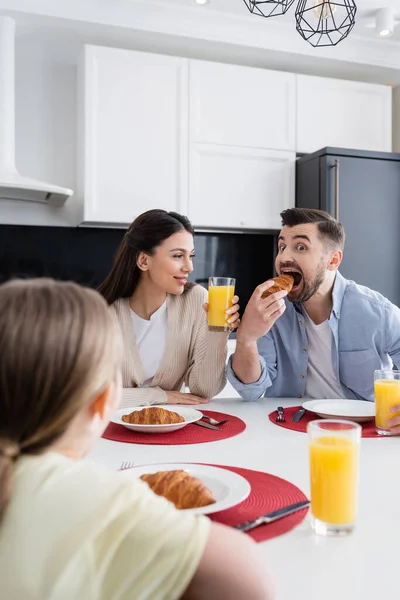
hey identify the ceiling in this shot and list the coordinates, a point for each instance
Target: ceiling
(223, 30)
(366, 10)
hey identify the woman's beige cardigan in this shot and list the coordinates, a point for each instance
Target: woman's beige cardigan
(193, 355)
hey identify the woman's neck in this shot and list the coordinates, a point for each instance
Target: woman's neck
(146, 299)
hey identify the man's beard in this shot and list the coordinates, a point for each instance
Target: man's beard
(310, 287)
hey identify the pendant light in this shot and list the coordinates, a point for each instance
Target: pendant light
(325, 22)
(268, 8)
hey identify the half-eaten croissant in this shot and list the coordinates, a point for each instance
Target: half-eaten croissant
(283, 282)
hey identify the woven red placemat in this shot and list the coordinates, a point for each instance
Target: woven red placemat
(268, 493)
(191, 434)
(368, 429)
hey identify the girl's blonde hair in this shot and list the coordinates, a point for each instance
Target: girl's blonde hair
(59, 348)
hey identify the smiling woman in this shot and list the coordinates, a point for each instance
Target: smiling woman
(162, 317)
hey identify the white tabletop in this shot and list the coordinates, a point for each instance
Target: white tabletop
(362, 566)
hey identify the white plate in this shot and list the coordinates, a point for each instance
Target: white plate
(189, 414)
(228, 488)
(359, 411)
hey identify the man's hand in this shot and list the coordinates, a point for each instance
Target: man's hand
(258, 318)
(261, 314)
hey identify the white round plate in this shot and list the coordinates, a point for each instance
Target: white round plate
(359, 411)
(228, 488)
(189, 414)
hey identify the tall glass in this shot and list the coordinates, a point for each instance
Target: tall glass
(387, 394)
(220, 293)
(334, 458)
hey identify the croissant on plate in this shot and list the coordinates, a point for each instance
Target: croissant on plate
(283, 282)
(180, 488)
(153, 415)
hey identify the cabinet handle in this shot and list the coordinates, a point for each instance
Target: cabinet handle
(336, 166)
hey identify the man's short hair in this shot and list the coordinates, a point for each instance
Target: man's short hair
(330, 230)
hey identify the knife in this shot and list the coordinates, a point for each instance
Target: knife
(298, 414)
(273, 516)
(208, 425)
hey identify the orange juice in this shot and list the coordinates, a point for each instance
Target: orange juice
(387, 394)
(334, 478)
(219, 300)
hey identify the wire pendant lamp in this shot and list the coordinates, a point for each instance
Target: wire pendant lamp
(268, 8)
(325, 22)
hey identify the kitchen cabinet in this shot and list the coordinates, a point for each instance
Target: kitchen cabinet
(345, 114)
(239, 188)
(241, 106)
(133, 132)
(217, 142)
(242, 145)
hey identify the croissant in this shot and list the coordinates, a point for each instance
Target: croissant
(180, 488)
(153, 415)
(283, 282)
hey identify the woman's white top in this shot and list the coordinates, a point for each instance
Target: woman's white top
(150, 340)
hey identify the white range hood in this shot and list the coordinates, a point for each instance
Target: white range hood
(14, 186)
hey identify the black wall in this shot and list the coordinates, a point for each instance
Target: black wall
(85, 255)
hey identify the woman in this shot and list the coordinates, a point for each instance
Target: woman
(164, 327)
(69, 529)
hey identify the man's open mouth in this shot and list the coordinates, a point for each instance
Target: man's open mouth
(297, 277)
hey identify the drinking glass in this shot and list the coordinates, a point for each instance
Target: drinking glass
(387, 394)
(220, 293)
(334, 458)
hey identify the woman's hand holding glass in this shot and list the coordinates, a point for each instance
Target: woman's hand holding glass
(233, 317)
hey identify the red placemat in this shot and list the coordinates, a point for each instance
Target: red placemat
(268, 493)
(191, 434)
(368, 428)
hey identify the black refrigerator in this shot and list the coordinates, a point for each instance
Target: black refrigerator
(362, 190)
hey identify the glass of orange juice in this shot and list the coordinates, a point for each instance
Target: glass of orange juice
(387, 394)
(334, 457)
(220, 293)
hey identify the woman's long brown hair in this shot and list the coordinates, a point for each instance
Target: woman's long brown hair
(147, 232)
(59, 348)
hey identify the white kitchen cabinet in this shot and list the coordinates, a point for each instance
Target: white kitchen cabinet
(242, 106)
(345, 114)
(133, 134)
(214, 141)
(239, 188)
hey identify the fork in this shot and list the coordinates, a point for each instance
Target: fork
(126, 464)
(280, 418)
(214, 421)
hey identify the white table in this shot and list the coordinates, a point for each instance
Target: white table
(362, 566)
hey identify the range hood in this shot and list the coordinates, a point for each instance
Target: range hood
(14, 186)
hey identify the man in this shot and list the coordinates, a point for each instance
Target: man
(328, 336)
